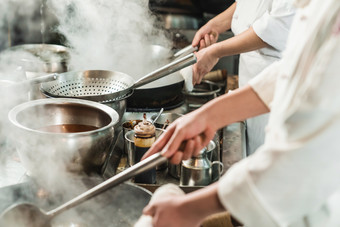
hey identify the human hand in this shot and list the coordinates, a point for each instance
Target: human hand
(171, 211)
(194, 128)
(205, 37)
(206, 60)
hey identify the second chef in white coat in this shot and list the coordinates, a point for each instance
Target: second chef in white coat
(261, 28)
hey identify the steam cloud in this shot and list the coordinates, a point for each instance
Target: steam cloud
(110, 35)
(102, 34)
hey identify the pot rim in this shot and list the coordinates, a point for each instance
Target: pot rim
(108, 110)
(56, 49)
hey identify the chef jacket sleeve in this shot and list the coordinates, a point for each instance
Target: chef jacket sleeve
(264, 83)
(273, 26)
(295, 172)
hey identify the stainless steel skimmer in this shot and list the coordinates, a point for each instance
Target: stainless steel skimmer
(107, 86)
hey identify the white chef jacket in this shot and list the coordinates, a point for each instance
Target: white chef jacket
(294, 178)
(271, 20)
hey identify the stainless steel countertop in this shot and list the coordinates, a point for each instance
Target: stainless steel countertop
(234, 144)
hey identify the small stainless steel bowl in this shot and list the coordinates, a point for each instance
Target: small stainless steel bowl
(66, 134)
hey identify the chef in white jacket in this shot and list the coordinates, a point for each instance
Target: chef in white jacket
(293, 179)
(261, 28)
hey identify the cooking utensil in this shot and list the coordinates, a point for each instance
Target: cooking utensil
(35, 60)
(120, 206)
(157, 116)
(198, 171)
(201, 94)
(186, 50)
(37, 80)
(106, 86)
(31, 215)
(41, 145)
(130, 145)
(171, 117)
(168, 89)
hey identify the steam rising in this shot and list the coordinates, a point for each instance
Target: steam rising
(101, 34)
(112, 35)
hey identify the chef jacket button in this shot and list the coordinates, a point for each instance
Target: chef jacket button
(235, 17)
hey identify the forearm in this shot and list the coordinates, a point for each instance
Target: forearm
(236, 106)
(244, 42)
(203, 202)
(222, 22)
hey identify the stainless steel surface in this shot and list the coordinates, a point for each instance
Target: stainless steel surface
(201, 94)
(93, 85)
(212, 151)
(234, 144)
(106, 86)
(37, 60)
(174, 66)
(37, 217)
(158, 56)
(120, 206)
(171, 117)
(196, 171)
(37, 80)
(157, 116)
(130, 145)
(186, 50)
(41, 150)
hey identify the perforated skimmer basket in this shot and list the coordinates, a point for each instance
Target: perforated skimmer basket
(106, 86)
(94, 85)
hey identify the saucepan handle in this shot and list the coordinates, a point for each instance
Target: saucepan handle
(186, 50)
(172, 67)
(220, 170)
(41, 79)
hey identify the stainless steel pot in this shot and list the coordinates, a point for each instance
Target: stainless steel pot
(67, 134)
(39, 59)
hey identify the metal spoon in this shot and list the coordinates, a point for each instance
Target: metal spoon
(157, 116)
(29, 215)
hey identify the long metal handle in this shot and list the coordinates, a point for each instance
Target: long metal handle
(166, 70)
(186, 50)
(147, 164)
(40, 79)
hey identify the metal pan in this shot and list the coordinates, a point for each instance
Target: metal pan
(107, 86)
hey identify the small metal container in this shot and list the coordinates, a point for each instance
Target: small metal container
(130, 145)
(197, 171)
(175, 170)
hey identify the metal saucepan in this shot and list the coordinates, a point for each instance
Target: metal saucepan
(35, 60)
(31, 215)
